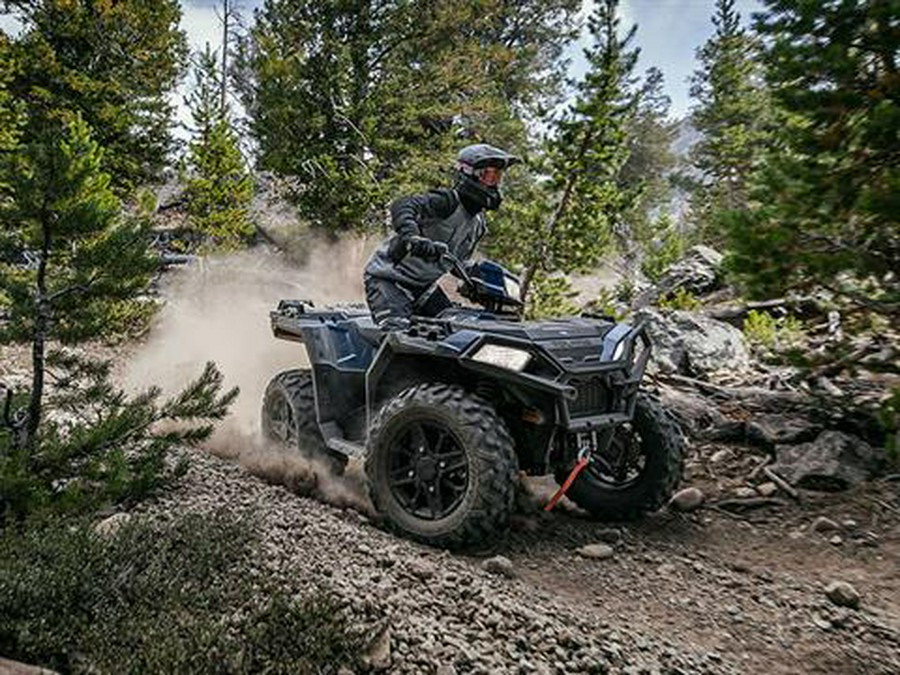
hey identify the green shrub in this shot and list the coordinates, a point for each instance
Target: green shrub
(97, 446)
(607, 303)
(681, 299)
(551, 295)
(773, 336)
(665, 249)
(160, 598)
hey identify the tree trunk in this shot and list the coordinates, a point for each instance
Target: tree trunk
(38, 344)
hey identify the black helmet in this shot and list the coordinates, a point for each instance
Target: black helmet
(476, 183)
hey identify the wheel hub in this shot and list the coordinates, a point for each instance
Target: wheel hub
(429, 471)
(426, 469)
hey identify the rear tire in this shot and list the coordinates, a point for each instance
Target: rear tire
(289, 417)
(662, 448)
(441, 467)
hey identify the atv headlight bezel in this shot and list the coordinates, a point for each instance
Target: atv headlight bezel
(502, 356)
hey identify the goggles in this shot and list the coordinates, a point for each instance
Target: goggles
(489, 175)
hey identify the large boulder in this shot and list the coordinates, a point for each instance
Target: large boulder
(698, 272)
(691, 344)
(834, 461)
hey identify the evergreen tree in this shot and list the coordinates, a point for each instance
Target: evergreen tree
(90, 261)
(365, 100)
(827, 198)
(113, 63)
(219, 187)
(583, 161)
(99, 446)
(732, 114)
(644, 177)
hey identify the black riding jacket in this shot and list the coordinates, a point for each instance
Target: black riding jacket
(438, 215)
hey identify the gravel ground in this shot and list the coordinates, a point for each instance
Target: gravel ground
(703, 593)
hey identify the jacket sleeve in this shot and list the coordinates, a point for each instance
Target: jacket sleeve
(408, 212)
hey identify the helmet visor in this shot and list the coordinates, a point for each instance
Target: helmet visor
(490, 175)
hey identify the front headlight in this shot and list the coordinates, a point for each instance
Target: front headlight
(504, 357)
(620, 349)
(512, 288)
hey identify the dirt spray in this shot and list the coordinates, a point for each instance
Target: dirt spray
(218, 310)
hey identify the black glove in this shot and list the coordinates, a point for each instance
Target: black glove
(427, 249)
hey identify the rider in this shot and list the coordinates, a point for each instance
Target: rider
(401, 276)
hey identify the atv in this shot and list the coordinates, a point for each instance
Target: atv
(446, 411)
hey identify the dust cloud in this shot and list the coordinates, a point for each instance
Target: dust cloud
(218, 310)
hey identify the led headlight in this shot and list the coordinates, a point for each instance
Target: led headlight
(504, 357)
(512, 288)
(619, 351)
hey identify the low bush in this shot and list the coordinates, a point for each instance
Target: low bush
(97, 446)
(162, 598)
(774, 338)
(681, 299)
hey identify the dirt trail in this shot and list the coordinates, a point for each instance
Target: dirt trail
(703, 593)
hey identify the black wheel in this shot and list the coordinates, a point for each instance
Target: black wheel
(638, 473)
(441, 467)
(289, 417)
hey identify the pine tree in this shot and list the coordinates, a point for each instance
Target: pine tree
(732, 113)
(645, 176)
(98, 446)
(827, 198)
(219, 188)
(376, 101)
(115, 64)
(90, 261)
(584, 160)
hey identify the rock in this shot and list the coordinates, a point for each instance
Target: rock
(699, 417)
(771, 430)
(421, 569)
(499, 565)
(666, 570)
(834, 461)
(823, 524)
(8, 667)
(744, 492)
(378, 655)
(596, 551)
(609, 535)
(767, 489)
(721, 456)
(688, 499)
(108, 527)
(842, 594)
(698, 272)
(836, 540)
(692, 344)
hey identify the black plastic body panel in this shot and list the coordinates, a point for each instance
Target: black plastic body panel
(582, 374)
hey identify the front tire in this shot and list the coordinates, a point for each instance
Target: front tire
(441, 467)
(289, 418)
(658, 445)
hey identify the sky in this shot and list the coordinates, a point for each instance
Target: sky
(669, 32)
